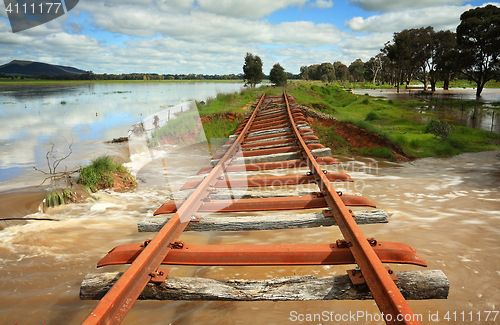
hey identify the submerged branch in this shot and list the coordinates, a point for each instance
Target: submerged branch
(40, 219)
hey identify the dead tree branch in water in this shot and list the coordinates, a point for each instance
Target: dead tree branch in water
(21, 219)
(52, 163)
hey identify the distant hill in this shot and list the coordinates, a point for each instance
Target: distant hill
(32, 68)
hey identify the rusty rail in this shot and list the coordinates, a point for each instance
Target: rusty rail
(146, 258)
(386, 294)
(115, 305)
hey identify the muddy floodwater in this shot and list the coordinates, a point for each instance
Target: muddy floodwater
(448, 210)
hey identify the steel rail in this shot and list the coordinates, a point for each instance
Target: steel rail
(115, 305)
(385, 292)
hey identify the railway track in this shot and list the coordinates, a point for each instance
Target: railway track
(275, 136)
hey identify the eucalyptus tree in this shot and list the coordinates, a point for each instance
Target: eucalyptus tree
(373, 67)
(304, 72)
(278, 76)
(478, 41)
(252, 70)
(410, 52)
(444, 58)
(357, 70)
(341, 71)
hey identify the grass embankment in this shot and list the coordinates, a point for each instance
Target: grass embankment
(396, 121)
(220, 117)
(237, 103)
(403, 123)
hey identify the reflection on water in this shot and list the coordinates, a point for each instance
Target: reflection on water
(86, 115)
(447, 209)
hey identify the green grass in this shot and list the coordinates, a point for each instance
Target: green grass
(371, 116)
(232, 102)
(220, 128)
(183, 124)
(58, 197)
(378, 152)
(100, 174)
(327, 136)
(397, 121)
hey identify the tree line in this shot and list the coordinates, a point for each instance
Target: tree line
(428, 56)
(89, 75)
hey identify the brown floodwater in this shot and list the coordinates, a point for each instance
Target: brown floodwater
(446, 209)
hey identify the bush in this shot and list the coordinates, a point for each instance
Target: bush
(100, 173)
(371, 116)
(441, 129)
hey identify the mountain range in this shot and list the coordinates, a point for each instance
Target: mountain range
(32, 68)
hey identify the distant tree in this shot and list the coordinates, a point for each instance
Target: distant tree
(341, 71)
(304, 72)
(252, 70)
(326, 72)
(444, 55)
(357, 70)
(278, 76)
(399, 53)
(314, 72)
(372, 67)
(423, 43)
(478, 40)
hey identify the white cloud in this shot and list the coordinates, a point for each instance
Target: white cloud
(322, 4)
(372, 42)
(250, 9)
(174, 6)
(441, 18)
(199, 26)
(396, 5)
(209, 36)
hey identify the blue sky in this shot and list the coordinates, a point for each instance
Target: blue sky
(213, 36)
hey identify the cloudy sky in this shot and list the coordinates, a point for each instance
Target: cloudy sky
(212, 36)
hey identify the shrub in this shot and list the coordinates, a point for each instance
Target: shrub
(101, 172)
(371, 116)
(441, 129)
(365, 101)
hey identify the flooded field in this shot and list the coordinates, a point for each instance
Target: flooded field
(447, 104)
(448, 210)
